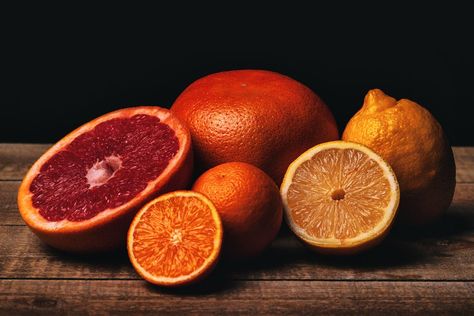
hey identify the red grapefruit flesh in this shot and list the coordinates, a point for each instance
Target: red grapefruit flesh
(82, 194)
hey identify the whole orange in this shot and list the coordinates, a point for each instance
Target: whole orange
(410, 139)
(254, 116)
(249, 204)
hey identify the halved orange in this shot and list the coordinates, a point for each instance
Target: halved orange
(340, 197)
(175, 239)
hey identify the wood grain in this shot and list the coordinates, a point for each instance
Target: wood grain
(9, 214)
(16, 159)
(400, 257)
(464, 157)
(245, 297)
(424, 271)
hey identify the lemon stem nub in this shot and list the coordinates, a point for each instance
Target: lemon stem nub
(338, 194)
(376, 101)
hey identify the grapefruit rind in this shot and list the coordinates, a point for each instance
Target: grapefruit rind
(361, 241)
(197, 274)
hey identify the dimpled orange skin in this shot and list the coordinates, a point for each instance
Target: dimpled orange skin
(410, 139)
(254, 116)
(249, 204)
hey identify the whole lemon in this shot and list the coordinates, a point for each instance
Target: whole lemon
(412, 141)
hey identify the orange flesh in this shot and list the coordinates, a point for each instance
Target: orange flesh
(338, 193)
(174, 237)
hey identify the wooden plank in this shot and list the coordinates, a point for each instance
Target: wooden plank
(410, 258)
(428, 254)
(8, 206)
(246, 297)
(464, 157)
(16, 159)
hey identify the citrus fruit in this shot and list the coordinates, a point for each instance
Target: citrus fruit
(410, 139)
(340, 197)
(82, 194)
(254, 116)
(175, 239)
(249, 204)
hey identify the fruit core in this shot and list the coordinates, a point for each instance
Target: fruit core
(103, 168)
(176, 237)
(338, 194)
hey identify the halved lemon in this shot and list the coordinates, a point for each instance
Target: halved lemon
(340, 197)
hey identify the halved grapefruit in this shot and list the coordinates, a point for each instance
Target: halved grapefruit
(82, 194)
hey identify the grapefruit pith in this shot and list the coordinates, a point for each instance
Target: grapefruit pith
(82, 194)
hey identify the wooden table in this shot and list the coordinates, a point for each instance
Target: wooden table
(427, 271)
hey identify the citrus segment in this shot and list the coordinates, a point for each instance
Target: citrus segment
(82, 194)
(175, 239)
(340, 196)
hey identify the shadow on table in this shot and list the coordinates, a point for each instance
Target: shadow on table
(116, 265)
(217, 282)
(402, 247)
(108, 261)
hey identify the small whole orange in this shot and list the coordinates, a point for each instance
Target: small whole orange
(249, 204)
(254, 116)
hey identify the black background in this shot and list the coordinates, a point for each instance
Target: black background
(65, 66)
